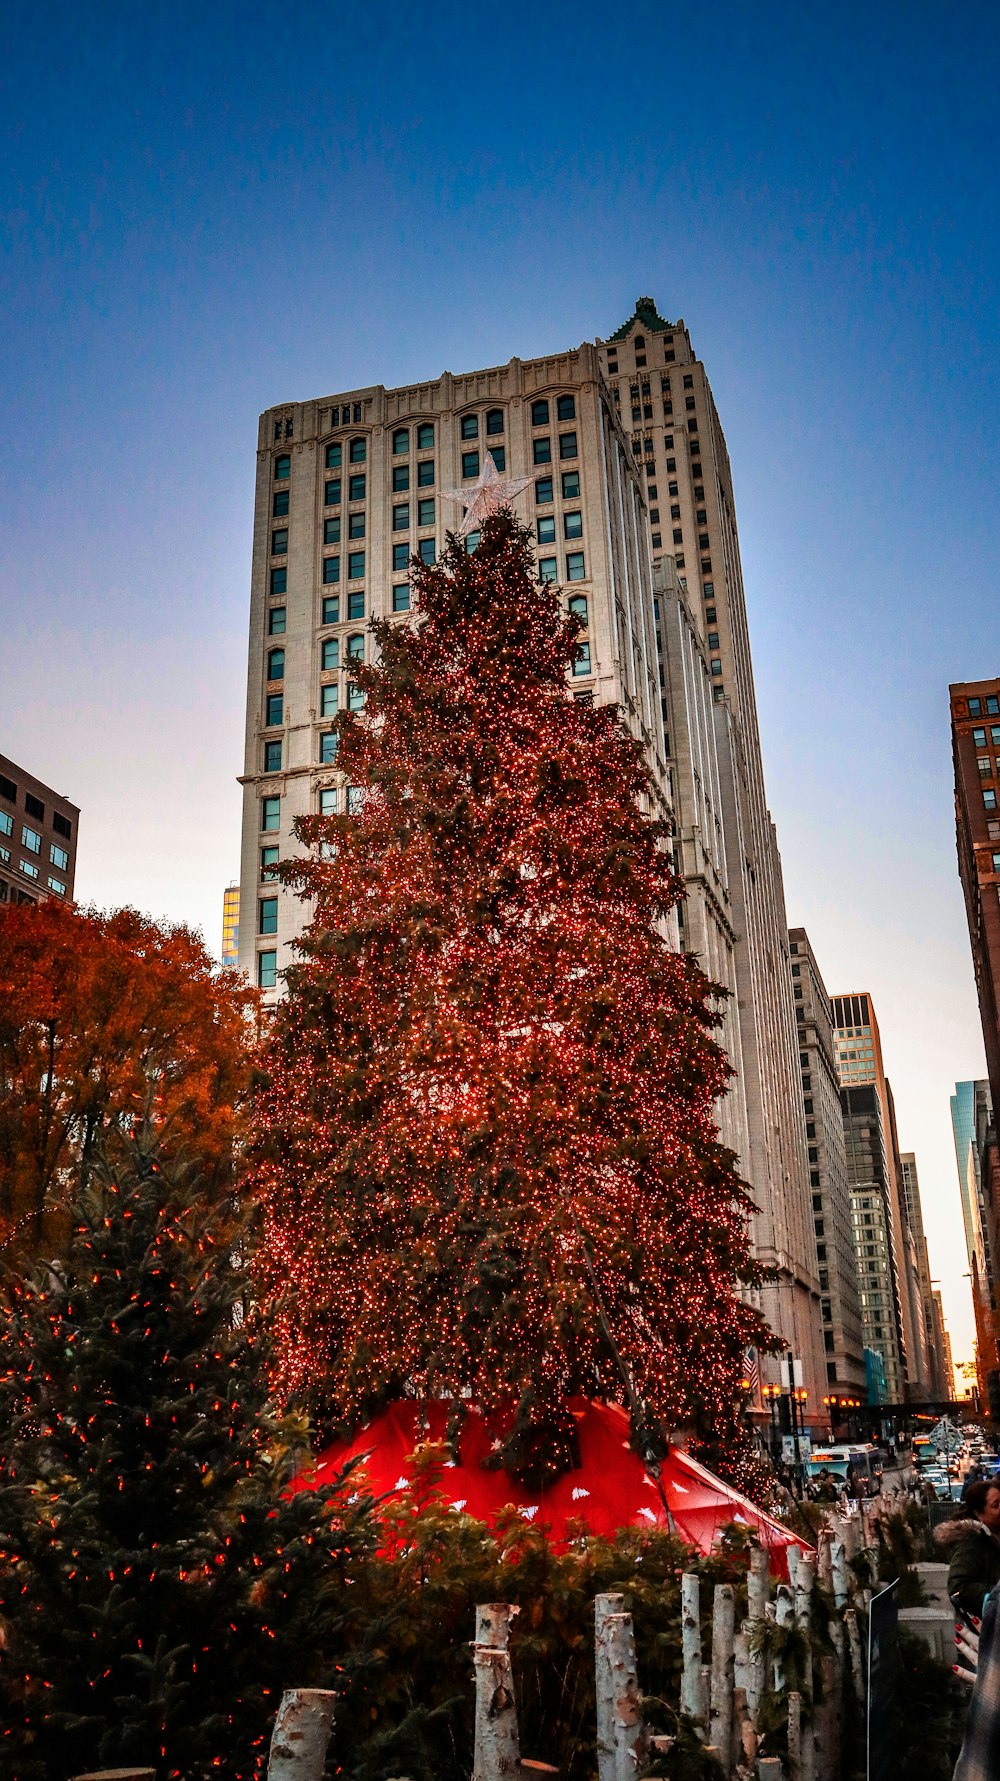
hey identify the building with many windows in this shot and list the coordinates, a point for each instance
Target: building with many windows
(932, 1346)
(661, 392)
(975, 736)
(231, 927)
(974, 1130)
(830, 1189)
(874, 1172)
(349, 488)
(38, 834)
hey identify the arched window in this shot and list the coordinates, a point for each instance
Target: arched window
(356, 646)
(358, 451)
(400, 442)
(331, 652)
(494, 421)
(470, 426)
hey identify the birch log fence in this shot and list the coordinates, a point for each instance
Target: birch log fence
(768, 1705)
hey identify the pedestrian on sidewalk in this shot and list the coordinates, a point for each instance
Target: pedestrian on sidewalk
(971, 1542)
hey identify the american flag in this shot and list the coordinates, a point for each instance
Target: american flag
(751, 1373)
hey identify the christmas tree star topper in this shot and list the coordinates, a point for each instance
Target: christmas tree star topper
(486, 495)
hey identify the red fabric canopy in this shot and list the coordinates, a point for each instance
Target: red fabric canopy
(610, 1489)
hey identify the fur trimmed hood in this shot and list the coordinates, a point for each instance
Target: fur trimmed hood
(947, 1534)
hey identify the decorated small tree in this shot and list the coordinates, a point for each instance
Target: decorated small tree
(158, 1586)
(485, 1140)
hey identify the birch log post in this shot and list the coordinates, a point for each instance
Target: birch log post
(692, 1698)
(301, 1735)
(784, 1614)
(758, 1596)
(621, 1734)
(839, 1573)
(795, 1736)
(805, 1578)
(824, 1558)
(723, 1663)
(497, 1748)
(854, 1650)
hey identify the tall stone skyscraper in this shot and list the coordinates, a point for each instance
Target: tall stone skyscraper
(349, 488)
(829, 1183)
(886, 1246)
(661, 391)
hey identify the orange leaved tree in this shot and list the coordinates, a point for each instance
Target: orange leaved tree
(115, 1030)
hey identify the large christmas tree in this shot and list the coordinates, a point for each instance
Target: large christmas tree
(485, 1137)
(158, 1587)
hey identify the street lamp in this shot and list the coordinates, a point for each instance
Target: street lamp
(770, 1395)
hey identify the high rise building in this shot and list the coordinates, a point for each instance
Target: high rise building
(975, 739)
(843, 1327)
(662, 393)
(924, 1310)
(874, 1175)
(349, 488)
(38, 834)
(942, 1337)
(231, 927)
(974, 1129)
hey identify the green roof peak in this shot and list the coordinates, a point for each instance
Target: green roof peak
(645, 312)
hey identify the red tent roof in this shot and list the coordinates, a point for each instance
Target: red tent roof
(610, 1489)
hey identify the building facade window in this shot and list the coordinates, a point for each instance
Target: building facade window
(572, 525)
(279, 581)
(276, 621)
(272, 757)
(400, 479)
(425, 473)
(425, 550)
(327, 748)
(358, 451)
(494, 422)
(356, 565)
(539, 414)
(470, 426)
(274, 710)
(282, 467)
(543, 491)
(267, 970)
(331, 571)
(267, 908)
(575, 569)
(334, 456)
(275, 664)
(581, 661)
(332, 492)
(425, 512)
(331, 609)
(425, 436)
(401, 517)
(401, 597)
(400, 442)
(567, 445)
(329, 699)
(547, 569)
(470, 465)
(270, 814)
(330, 653)
(356, 603)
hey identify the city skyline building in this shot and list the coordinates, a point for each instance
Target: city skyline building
(662, 393)
(973, 1127)
(843, 1325)
(349, 488)
(231, 927)
(38, 838)
(975, 737)
(933, 1347)
(874, 1176)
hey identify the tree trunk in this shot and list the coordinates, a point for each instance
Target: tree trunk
(758, 1595)
(795, 1736)
(621, 1735)
(301, 1735)
(692, 1697)
(857, 1660)
(497, 1749)
(723, 1660)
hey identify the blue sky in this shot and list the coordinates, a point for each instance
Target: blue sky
(210, 210)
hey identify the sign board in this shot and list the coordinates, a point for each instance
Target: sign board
(788, 1453)
(883, 1669)
(791, 1372)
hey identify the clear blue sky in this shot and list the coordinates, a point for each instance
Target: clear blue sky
(207, 210)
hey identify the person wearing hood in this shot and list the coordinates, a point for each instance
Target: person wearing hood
(971, 1543)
